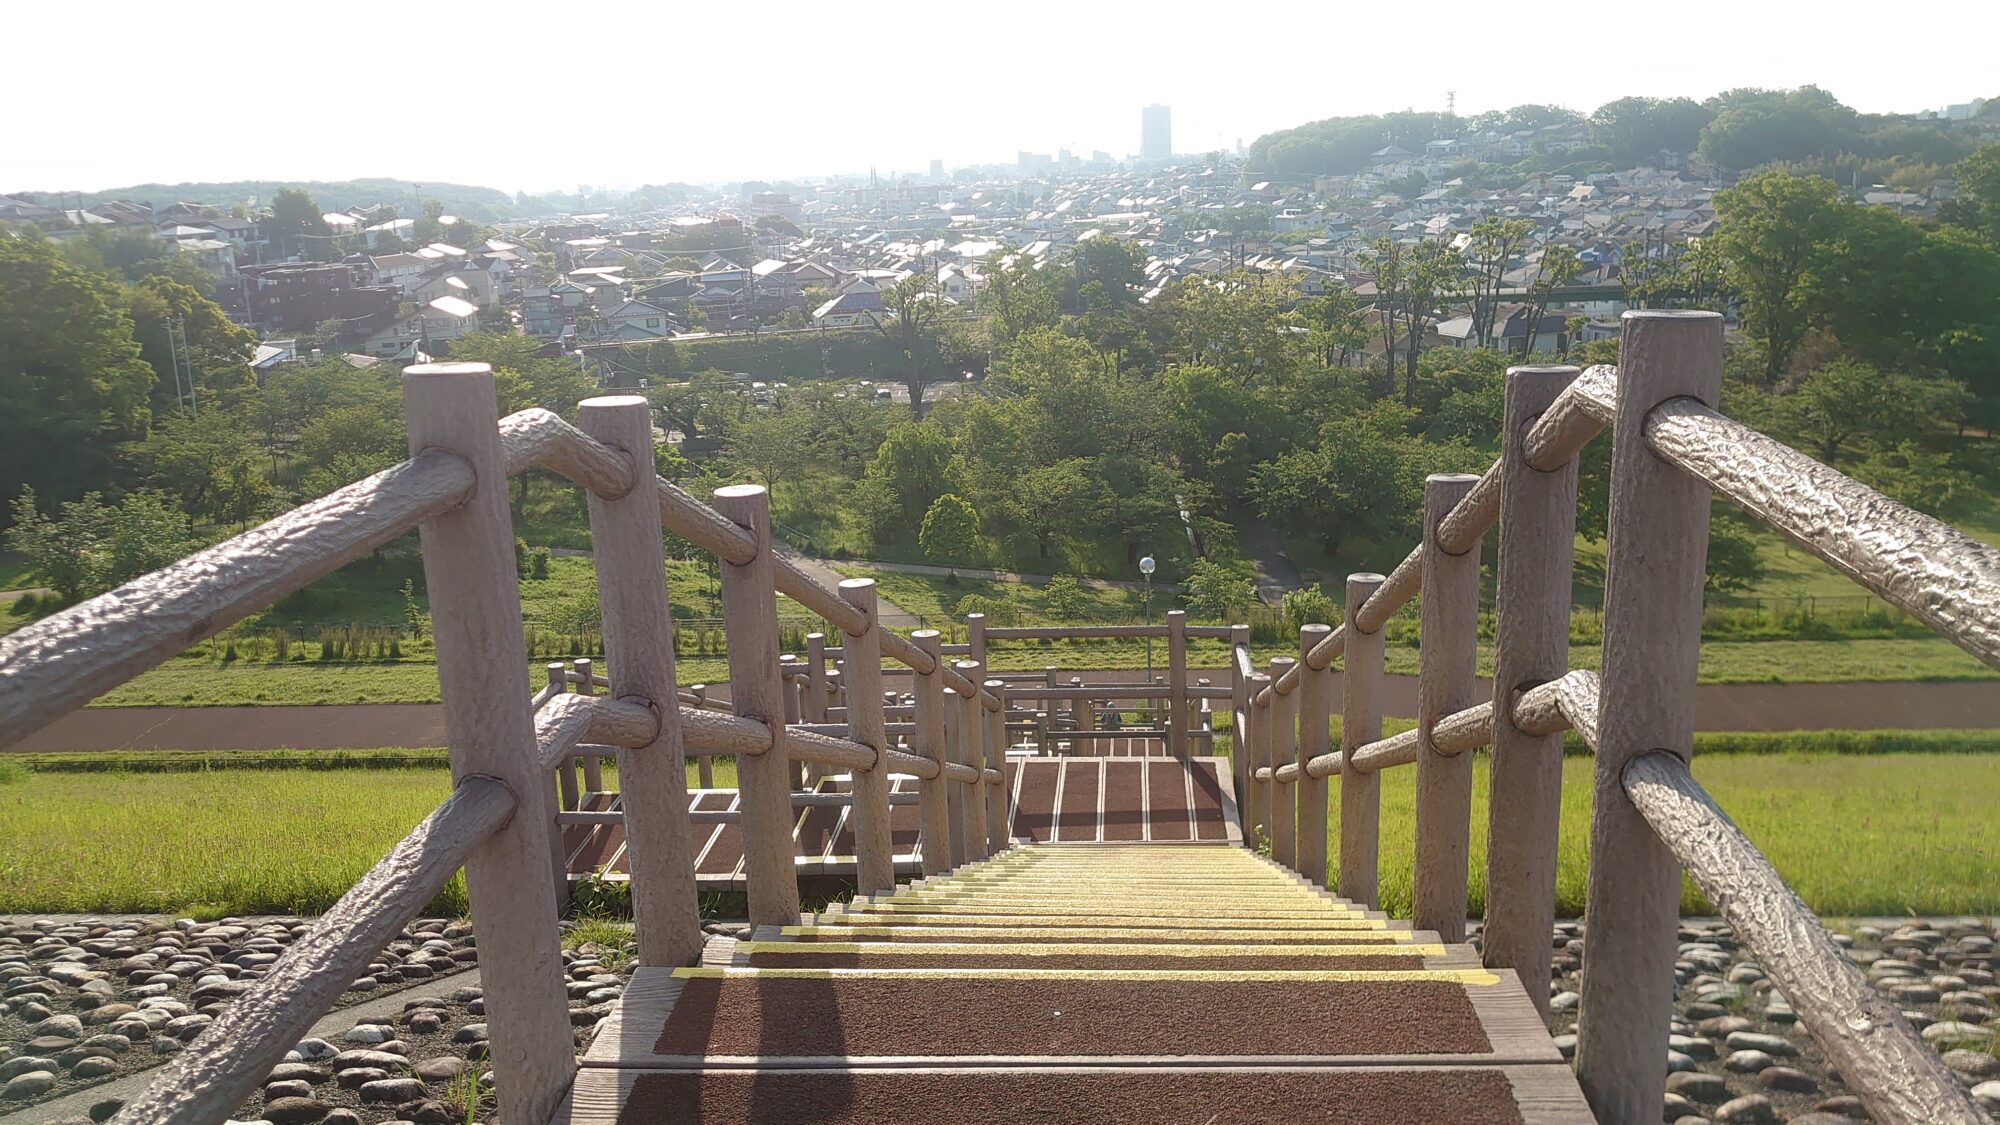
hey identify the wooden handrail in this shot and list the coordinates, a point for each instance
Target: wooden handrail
(1922, 566)
(541, 437)
(228, 1061)
(1879, 1055)
(65, 660)
(571, 720)
(1578, 415)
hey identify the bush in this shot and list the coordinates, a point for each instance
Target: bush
(538, 563)
(25, 605)
(998, 611)
(1310, 606)
(1065, 598)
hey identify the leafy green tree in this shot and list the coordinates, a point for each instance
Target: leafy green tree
(1977, 206)
(1491, 247)
(1338, 323)
(1053, 503)
(1065, 599)
(1846, 402)
(911, 309)
(91, 546)
(1363, 479)
(950, 532)
(217, 357)
(1241, 324)
(1215, 592)
(1109, 275)
(1558, 267)
(1774, 231)
(72, 381)
(296, 225)
(1753, 127)
(208, 462)
(1412, 282)
(1020, 294)
(1733, 562)
(1634, 130)
(914, 466)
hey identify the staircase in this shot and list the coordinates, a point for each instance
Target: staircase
(1081, 983)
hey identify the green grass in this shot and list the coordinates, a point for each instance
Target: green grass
(208, 843)
(1853, 834)
(1855, 831)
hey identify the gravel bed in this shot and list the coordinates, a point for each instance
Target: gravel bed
(1738, 1052)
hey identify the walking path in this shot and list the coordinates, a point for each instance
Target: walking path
(1718, 707)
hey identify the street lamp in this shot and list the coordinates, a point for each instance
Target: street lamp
(1146, 568)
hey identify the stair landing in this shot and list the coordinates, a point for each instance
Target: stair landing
(1081, 983)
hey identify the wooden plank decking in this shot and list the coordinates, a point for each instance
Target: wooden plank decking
(1147, 981)
(1052, 800)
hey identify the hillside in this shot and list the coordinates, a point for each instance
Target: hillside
(483, 204)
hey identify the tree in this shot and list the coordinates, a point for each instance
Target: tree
(910, 311)
(950, 531)
(1020, 295)
(208, 463)
(91, 547)
(914, 465)
(296, 225)
(1490, 249)
(1636, 129)
(1338, 323)
(1052, 503)
(1753, 127)
(1977, 207)
(1362, 479)
(214, 365)
(1845, 401)
(1309, 605)
(1411, 281)
(72, 381)
(1774, 231)
(1215, 592)
(1559, 266)
(1109, 274)
(1065, 599)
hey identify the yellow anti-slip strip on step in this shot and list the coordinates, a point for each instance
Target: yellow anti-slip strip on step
(1471, 978)
(1107, 892)
(1080, 949)
(1223, 908)
(1393, 941)
(1133, 921)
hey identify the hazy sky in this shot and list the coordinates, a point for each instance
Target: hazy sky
(535, 96)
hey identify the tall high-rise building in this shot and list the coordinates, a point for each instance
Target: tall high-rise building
(1156, 133)
(937, 169)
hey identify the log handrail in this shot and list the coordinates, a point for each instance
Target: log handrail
(1879, 1055)
(1922, 566)
(229, 1060)
(63, 661)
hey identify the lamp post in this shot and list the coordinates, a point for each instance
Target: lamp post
(1146, 568)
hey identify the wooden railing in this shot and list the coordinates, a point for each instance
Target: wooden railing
(515, 756)
(1670, 451)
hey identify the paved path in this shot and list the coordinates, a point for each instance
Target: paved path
(1718, 707)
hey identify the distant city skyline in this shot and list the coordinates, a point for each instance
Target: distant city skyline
(507, 120)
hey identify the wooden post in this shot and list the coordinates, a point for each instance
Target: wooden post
(750, 624)
(1079, 718)
(969, 740)
(1360, 724)
(1177, 700)
(861, 667)
(789, 675)
(1315, 696)
(704, 765)
(566, 769)
(1239, 705)
(815, 711)
(1283, 739)
(1049, 710)
(593, 768)
(639, 650)
(1656, 557)
(933, 796)
(998, 835)
(1256, 754)
(1447, 682)
(975, 638)
(1531, 647)
(490, 731)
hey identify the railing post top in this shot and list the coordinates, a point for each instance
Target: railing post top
(1365, 579)
(964, 666)
(446, 370)
(1173, 613)
(613, 402)
(1631, 315)
(972, 617)
(1316, 630)
(1282, 664)
(927, 639)
(1544, 369)
(1451, 480)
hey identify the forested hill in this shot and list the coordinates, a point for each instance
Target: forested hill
(482, 204)
(1736, 129)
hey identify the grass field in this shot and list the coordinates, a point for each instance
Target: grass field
(1909, 833)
